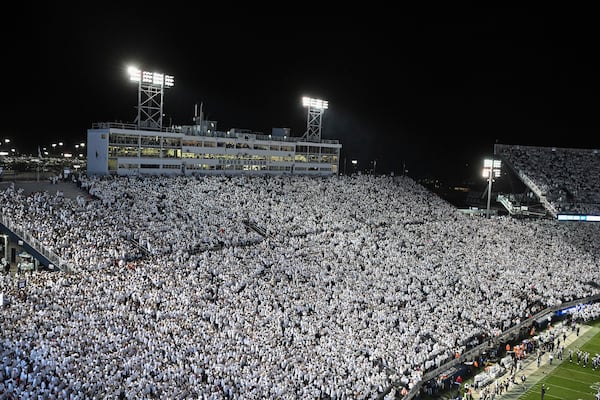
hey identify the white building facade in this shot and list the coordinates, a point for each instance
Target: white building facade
(122, 149)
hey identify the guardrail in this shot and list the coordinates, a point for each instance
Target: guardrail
(190, 131)
(35, 243)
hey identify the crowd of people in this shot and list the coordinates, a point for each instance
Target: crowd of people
(360, 283)
(568, 178)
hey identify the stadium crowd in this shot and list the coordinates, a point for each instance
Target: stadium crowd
(360, 283)
(568, 178)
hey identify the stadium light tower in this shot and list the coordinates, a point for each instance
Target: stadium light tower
(316, 107)
(151, 92)
(491, 170)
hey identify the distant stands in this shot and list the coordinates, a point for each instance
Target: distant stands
(567, 181)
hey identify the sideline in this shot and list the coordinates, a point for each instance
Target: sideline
(535, 374)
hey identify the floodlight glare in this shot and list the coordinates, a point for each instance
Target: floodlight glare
(153, 78)
(147, 77)
(491, 169)
(316, 108)
(134, 74)
(151, 86)
(315, 103)
(157, 79)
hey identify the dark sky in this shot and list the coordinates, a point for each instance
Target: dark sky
(430, 89)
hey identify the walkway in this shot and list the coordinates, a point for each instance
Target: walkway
(68, 189)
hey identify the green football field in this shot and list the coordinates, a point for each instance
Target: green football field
(569, 381)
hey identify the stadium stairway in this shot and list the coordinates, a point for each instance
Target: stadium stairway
(251, 225)
(135, 243)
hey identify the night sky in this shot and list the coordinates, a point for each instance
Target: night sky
(432, 91)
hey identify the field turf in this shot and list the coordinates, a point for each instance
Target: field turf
(569, 381)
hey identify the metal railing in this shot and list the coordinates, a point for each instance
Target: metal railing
(35, 243)
(190, 131)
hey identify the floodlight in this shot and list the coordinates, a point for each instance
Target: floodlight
(315, 103)
(157, 79)
(316, 107)
(491, 169)
(147, 77)
(151, 87)
(152, 78)
(134, 74)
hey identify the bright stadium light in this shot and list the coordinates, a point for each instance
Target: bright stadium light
(147, 77)
(316, 107)
(151, 86)
(315, 103)
(157, 79)
(491, 169)
(134, 74)
(154, 78)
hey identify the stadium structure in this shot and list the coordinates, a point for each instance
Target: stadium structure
(564, 181)
(147, 148)
(376, 290)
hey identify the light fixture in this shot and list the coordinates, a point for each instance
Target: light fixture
(316, 107)
(315, 103)
(152, 78)
(151, 86)
(491, 169)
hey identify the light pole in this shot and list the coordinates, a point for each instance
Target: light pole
(151, 91)
(491, 170)
(316, 107)
(354, 166)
